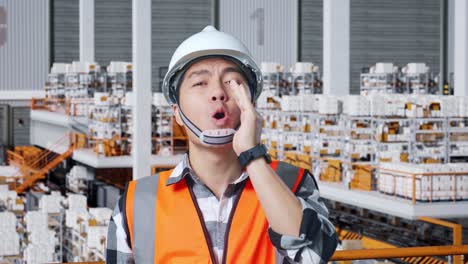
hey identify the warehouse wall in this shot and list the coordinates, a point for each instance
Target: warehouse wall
(65, 31)
(267, 27)
(113, 31)
(20, 126)
(24, 48)
(311, 31)
(397, 31)
(172, 22)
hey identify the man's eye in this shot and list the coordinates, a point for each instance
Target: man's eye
(198, 84)
(233, 80)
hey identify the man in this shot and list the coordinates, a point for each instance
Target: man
(225, 202)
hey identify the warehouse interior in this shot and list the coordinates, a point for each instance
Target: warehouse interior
(370, 96)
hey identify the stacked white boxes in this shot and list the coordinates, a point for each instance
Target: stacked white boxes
(97, 229)
(328, 105)
(388, 105)
(42, 241)
(10, 199)
(76, 179)
(9, 244)
(77, 209)
(396, 179)
(86, 230)
(51, 203)
(355, 105)
(307, 102)
(97, 238)
(290, 103)
(382, 78)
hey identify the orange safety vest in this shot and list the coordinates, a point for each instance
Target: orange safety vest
(167, 226)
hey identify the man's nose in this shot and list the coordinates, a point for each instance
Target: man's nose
(219, 94)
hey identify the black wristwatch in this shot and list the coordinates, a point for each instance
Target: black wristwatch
(254, 153)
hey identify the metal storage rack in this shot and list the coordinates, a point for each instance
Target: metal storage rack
(457, 134)
(274, 83)
(328, 133)
(419, 83)
(56, 222)
(429, 140)
(162, 129)
(327, 149)
(380, 83)
(358, 131)
(358, 152)
(394, 138)
(304, 83)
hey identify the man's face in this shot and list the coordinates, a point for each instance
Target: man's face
(205, 96)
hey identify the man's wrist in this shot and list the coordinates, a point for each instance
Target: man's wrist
(257, 162)
(257, 152)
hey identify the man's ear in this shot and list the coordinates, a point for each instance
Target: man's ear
(175, 110)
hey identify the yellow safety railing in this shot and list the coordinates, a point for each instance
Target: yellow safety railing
(457, 230)
(386, 253)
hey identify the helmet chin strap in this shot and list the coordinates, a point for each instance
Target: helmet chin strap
(213, 137)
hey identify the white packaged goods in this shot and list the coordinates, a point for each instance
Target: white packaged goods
(102, 98)
(59, 68)
(84, 67)
(43, 237)
(8, 196)
(356, 105)
(328, 105)
(35, 220)
(290, 103)
(97, 237)
(77, 202)
(101, 215)
(76, 178)
(7, 221)
(307, 102)
(387, 105)
(271, 67)
(383, 67)
(10, 243)
(128, 101)
(3, 188)
(51, 203)
(456, 106)
(463, 106)
(38, 254)
(416, 68)
(73, 218)
(119, 67)
(302, 67)
(396, 179)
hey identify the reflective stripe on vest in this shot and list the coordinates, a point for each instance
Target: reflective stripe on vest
(171, 229)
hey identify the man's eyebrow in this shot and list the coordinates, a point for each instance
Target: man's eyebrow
(200, 72)
(231, 69)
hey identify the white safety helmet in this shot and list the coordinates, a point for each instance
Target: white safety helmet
(210, 43)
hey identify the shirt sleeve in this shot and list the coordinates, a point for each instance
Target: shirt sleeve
(118, 248)
(318, 239)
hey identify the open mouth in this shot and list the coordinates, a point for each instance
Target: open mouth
(219, 115)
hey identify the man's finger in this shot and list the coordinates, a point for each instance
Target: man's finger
(242, 94)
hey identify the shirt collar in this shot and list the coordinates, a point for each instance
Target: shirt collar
(183, 169)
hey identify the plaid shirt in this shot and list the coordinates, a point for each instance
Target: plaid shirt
(316, 243)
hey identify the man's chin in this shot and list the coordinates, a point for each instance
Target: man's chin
(197, 143)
